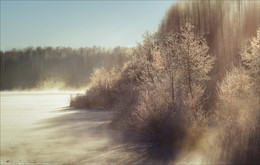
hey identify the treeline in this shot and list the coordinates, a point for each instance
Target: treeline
(58, 67)
(189, 94)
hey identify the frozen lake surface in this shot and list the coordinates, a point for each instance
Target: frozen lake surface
(39, 127)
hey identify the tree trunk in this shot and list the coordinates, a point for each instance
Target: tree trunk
(188, 63)
(172, 89)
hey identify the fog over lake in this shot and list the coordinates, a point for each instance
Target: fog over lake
(40, 127)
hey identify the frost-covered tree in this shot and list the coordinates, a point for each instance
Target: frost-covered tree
(238, 105)
(145, 54)
(179, 63)
(170, 61)
(242, 81)
(235, 84)
(250, 56)
(237, 91)
(196, 60)
(186, 60)
(104, 79)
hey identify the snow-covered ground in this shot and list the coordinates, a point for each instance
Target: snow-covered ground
(39, 127)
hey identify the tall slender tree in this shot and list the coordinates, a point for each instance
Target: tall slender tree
(186, 59)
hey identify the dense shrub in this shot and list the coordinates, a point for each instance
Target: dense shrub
(158, 101)
(102, 92)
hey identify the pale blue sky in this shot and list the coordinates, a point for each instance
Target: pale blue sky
(78, 23)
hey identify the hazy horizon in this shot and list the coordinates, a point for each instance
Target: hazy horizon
(78, 23)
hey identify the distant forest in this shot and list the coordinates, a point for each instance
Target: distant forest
(58, 67)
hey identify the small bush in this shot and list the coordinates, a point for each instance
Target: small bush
(102, 91)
